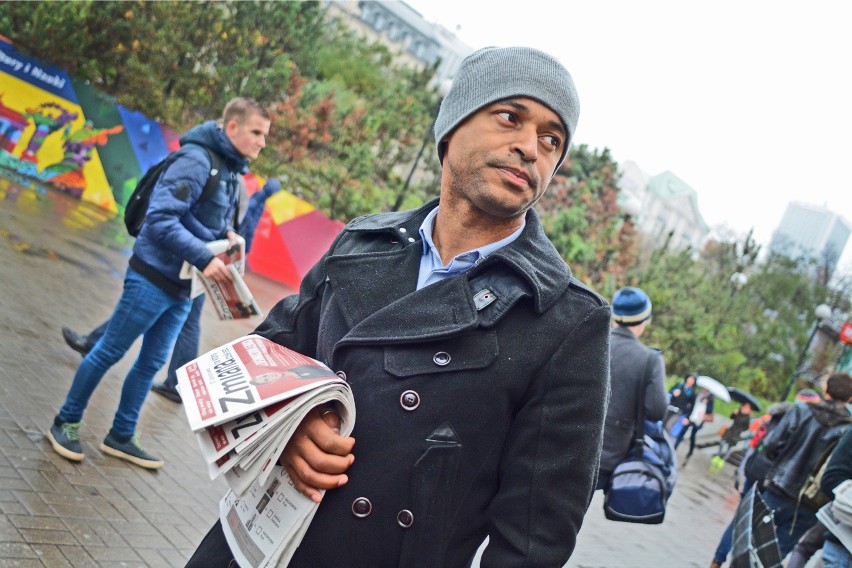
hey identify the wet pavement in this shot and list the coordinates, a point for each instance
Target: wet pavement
(63, 264)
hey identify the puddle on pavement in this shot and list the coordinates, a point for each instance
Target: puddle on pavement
(84, 227)
(19, 245)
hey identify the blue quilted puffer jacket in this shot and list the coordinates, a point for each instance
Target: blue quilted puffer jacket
(178, 225)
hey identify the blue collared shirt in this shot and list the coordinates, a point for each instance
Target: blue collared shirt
(432, 269)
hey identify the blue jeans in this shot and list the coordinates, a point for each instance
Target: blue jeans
(188, 340)
(186, 346)
(835, 555)
(143, 309)
(783, 511)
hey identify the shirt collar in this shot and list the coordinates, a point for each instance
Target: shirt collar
(433, 269)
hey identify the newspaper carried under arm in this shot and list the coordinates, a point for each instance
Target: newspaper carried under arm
(265, 526)
(837, 515)
(233, 300)
(244, 400)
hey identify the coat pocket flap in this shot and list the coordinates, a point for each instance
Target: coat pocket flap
(474, 350)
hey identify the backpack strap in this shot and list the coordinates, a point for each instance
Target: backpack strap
(212, 184)
(639, 424)
(213, 178)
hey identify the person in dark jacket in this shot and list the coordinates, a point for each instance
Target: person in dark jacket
(838, 470)
(155, 301)
(794, 446)
(478, 363)
(834, 554)
(632, 364)
(684, 394)
(754, 466)
(189, 337)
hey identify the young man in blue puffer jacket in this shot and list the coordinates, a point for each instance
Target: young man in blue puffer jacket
(155, 301)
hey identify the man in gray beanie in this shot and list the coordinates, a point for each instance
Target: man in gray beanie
(478, 363)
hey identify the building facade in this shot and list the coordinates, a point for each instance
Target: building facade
(415, 41)
(811, 231)
(660, 205)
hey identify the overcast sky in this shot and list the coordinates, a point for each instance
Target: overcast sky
(748, 102)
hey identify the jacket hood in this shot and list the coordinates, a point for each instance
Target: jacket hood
(831, 413)
(212, 137)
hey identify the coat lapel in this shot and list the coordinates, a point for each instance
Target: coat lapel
(388, 312)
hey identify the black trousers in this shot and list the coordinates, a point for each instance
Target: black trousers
(213, 552)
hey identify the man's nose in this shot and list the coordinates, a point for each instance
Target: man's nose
(526, 144)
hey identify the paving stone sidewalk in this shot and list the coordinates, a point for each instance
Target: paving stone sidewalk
(63, 264)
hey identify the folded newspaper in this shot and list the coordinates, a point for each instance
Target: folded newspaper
(233, 300)
(243, 400)
(837, 515)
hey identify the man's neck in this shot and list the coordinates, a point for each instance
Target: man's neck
(455, 232)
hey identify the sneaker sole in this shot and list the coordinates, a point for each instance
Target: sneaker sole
(63, 451)
(147, 464)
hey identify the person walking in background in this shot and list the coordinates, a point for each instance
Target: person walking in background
(478, 362)
(702, 412)
(682, 400)
(189, 337)
(731, 434)
(631, 365)
(155, 301)
(794, 446)
(755, 465)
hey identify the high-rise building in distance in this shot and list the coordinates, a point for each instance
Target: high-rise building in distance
(811, 231)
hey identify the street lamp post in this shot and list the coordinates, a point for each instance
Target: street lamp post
(443, 89)
(821, 312)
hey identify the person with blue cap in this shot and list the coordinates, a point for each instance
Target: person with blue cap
(479, 364)
(631, 364)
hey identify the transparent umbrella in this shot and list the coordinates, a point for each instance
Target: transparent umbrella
(716, 388)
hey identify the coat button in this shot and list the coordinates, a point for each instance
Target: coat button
(405, 518)
(441, 358)
(341, 374)
(409, 400)
(361, 507)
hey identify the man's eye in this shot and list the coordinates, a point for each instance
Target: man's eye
(507, 115)
(553, 141)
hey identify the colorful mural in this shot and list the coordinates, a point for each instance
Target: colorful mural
(62, 131)
(45, 135)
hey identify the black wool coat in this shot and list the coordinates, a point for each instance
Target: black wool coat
(480, 399)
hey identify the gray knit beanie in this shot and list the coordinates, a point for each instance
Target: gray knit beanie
(492, 74)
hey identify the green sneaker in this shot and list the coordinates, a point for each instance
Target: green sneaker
(131, 451)
(717, 464)
(65, 439)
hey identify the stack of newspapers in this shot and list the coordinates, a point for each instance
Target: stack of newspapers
(837, 514)
(243, 400)
(231, 300)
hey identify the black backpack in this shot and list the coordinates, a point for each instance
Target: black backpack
(137, 204)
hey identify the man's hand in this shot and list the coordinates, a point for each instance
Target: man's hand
(317, 456)
(217, 271)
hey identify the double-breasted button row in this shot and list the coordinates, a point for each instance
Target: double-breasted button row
(362, 507)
